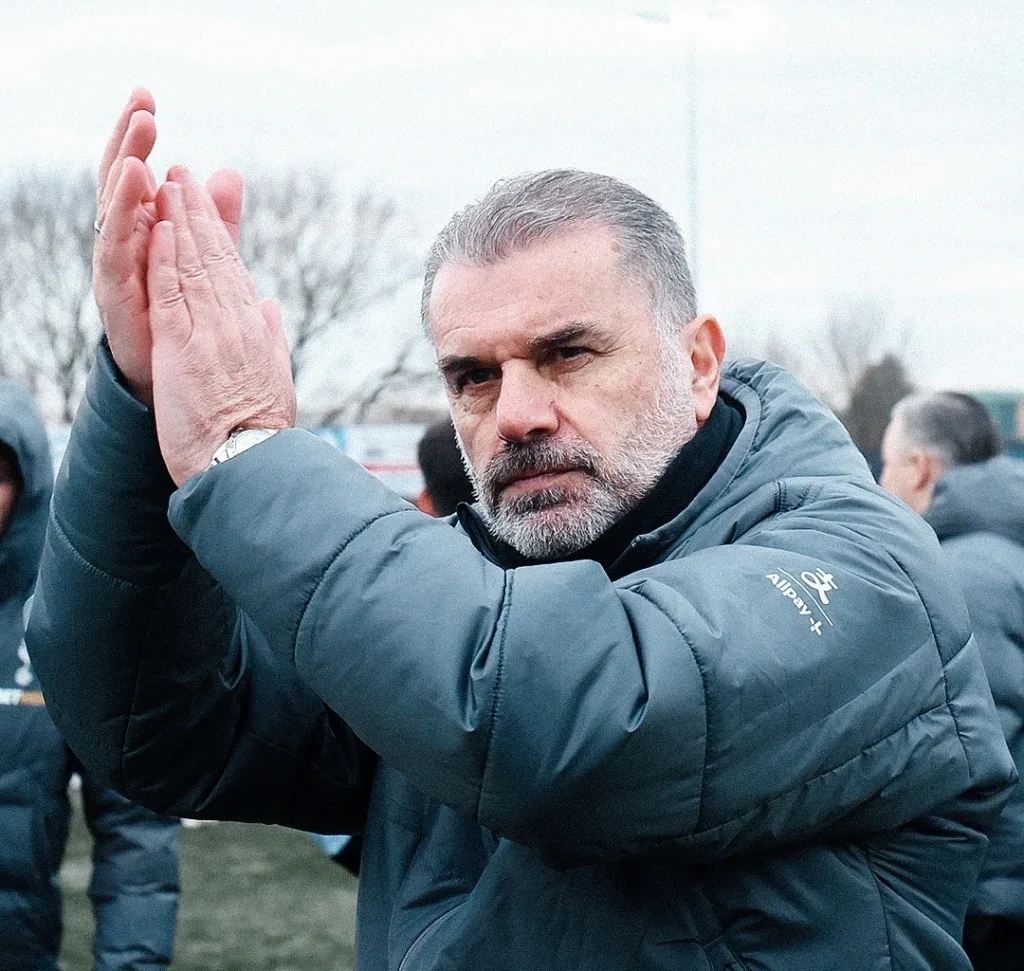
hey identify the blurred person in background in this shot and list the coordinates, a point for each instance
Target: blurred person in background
(684, 689)
(445, 481)
(942, 455)
(134, 885)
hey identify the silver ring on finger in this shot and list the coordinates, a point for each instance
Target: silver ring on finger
(97, 228)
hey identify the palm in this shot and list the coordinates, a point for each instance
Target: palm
(127, 212)
(123, 302)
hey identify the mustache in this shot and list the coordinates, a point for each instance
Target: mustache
(518, 459)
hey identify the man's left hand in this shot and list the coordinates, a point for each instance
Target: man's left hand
(220, 357)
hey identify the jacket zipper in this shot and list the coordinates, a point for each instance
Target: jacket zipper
(424, 937)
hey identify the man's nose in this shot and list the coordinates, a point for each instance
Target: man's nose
(526, 405)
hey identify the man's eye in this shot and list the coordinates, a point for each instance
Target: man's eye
(477, 376)
(570, 355)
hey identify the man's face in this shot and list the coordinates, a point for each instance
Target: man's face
(905, 470)
(10, 485)
(567, 404)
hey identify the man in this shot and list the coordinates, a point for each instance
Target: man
(445, 482)
(942, 455)
(134, 887)
(686, 690)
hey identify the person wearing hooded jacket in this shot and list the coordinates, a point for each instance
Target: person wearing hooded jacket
(685, 689)
(942, 454)
(134, 884)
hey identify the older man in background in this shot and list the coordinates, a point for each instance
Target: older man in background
(942, 454)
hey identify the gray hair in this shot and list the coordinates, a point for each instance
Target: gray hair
(537, 206)
(955, 426)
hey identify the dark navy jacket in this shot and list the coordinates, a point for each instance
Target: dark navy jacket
(978, 515)
(134, 887)
(761, 738)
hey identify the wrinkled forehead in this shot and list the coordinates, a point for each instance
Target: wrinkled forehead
(575, 274)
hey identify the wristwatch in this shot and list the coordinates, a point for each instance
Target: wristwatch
(238, 441)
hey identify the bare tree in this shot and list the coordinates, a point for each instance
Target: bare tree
(48, 321)
(877, 390)
(855, 337)
(406, 390)
(859, 336)
(330, 258)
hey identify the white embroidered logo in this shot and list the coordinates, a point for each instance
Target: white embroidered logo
(821, 581)
(23, 676)
(807, 605)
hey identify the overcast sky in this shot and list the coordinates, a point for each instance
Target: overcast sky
(863, 150)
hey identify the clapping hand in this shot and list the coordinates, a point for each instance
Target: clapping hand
(126, 211)
(220, 359)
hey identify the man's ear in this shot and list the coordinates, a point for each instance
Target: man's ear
(705, 344)
(926, 468)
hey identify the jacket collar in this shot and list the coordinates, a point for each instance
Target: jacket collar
(981, 497)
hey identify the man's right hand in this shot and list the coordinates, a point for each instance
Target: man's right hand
(126, 213)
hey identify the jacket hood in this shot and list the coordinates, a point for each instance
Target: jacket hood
(21, 427)
(982, 497)
(795, 434)
(787, 435)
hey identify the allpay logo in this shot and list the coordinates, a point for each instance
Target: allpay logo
(798, 591)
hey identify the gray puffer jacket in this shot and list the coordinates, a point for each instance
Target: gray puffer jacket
(978, 515)
(762, 738)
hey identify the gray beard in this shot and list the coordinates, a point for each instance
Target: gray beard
(554, 523)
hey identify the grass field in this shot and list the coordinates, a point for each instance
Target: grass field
(254, 898)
